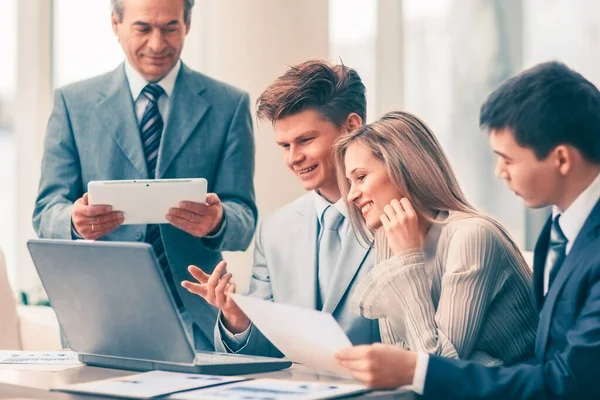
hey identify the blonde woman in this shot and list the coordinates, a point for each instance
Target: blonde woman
(448, 280)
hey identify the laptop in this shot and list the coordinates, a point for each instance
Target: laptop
(116, 310)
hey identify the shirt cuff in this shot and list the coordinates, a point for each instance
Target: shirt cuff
(418, 383)
(218, 234)
(74, 234)
(234, 341)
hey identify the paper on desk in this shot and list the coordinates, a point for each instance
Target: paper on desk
(303, 335)
(148, 384)
(259, 389)
(39, 357)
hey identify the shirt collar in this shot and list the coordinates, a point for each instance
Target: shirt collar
(573, 218)
(137, 83)
(321, 204)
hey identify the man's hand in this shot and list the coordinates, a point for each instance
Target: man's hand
(216, 290)
(198, 219)
(93, 222)
(379, 366)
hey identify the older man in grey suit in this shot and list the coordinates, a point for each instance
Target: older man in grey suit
(153, 117)
(306, 252)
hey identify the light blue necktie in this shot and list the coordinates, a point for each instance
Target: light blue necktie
(330, 245)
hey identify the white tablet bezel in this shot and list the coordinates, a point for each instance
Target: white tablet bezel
(146, 201)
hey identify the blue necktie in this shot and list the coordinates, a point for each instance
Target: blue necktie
(556, 251)
(330, 246)
(151, 128)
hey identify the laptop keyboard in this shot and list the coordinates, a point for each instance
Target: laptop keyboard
(221, 358)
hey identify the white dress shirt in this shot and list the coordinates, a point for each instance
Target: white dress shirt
(137, 83)
(570, 222)
(572, 219)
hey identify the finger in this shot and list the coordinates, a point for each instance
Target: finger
(187, 226)
(407, 206)
(360, 365)
(220, 290)
(390, 212)
(196, 208)
(84, 199)
(94, 211)
(114, 216)
(185, 213)
(353, 353)
(229, 302)
(214, 278)
(212, 199)
(195, 288)
(198, 274)
(397, 207)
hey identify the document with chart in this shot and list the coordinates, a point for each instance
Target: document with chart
(149, 384)
(260, 389)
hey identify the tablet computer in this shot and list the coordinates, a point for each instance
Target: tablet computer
(146, 201)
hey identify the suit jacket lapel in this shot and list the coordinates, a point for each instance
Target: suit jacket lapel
(351, 258)
(187, 108)
(588, 233)
(117, 112)
(304, 255)
(539, 262)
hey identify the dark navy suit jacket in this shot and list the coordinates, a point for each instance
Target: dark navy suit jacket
(567, 350)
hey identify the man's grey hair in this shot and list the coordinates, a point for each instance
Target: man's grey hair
(117, 8)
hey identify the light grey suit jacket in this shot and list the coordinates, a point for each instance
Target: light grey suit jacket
(285, 271)
(93, 134)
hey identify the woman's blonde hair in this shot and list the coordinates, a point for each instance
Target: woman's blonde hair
(415, 163)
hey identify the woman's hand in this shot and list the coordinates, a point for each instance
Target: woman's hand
(401, 225)
(379, 366)
(216, 290)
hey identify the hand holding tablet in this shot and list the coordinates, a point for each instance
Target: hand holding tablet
(150, 201)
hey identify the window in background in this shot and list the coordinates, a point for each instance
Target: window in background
(564, 31)
(352, 35)
(456, 53)
(84, 43)
(8, 79)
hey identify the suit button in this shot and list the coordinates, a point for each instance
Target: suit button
(139, 236)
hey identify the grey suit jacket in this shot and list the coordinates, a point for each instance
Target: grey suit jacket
(93, 134)
(285, 271)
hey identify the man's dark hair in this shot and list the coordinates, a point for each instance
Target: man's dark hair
(335, 91)
(546, 106)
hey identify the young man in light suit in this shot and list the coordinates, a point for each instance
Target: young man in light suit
(306, 252)
(153, 117)
(545, 128)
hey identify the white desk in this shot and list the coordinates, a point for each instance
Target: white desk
(19, 384)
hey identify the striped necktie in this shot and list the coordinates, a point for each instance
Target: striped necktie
(151, 128)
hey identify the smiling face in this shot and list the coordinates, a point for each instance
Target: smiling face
(307, 139)
(537, 182)
(371, 188)
(151, 33)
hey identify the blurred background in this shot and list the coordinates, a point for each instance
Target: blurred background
(436, 58)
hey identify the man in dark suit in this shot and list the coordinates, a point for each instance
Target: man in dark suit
(544, 126)
(153, 117)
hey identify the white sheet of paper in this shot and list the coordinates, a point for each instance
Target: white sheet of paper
(303, 335)
(148, 384)
(39, 357)
(261, 389)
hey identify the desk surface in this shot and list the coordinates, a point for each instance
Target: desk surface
(37, 384)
